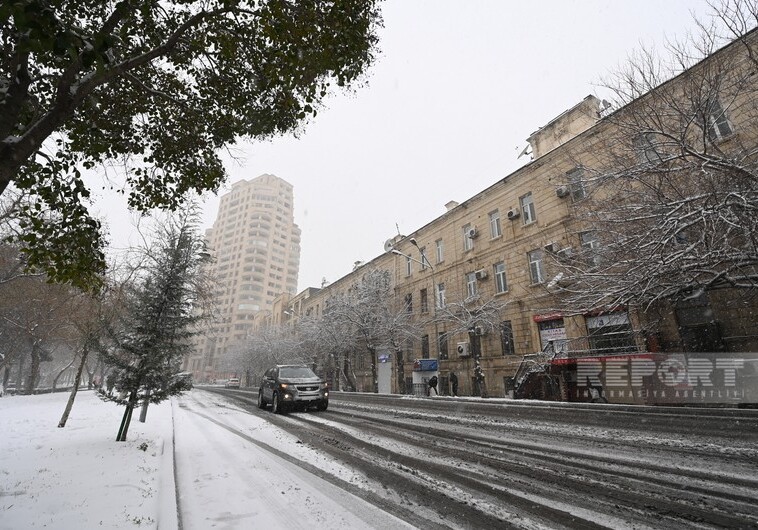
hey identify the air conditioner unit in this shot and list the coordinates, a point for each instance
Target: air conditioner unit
(562, 191)
(481, 274)
(552, 247)
(472, 233)
(513, 214)
(464, 349)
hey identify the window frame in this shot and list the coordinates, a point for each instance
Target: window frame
(506, 330)
(408, 303)
(496, 229)
(471, 287)
(501, 280)
(536, 267)
(646, 148)
(575, 179)
(589, 243)
(440, 250)
(442, 345)
(716, 120)
(439, 295)
(528, 210)
(468, 243)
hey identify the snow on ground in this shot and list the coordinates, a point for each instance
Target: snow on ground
(78, 477)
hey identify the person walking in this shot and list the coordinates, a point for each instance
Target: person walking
(433, 385)
(454, 383)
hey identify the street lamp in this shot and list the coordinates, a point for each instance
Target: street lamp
(424, 263)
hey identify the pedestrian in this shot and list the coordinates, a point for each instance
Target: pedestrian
(454, 383)
(433, 385)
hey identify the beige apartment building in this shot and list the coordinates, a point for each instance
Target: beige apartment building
(255, 245)
(497, 248)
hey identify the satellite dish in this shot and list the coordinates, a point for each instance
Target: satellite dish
(388, 245)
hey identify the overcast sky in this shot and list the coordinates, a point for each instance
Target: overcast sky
(458, 87)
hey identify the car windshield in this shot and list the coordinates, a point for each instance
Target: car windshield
(296, 371)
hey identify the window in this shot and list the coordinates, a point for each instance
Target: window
(536, 272)
(506, 338)
(440, 297)
(409, 303)
(425, 347)
(576, 183)
(408, 266)
(468, 243)
(590, 246)
(553, 334)
(645, 149)
(501, 285)
(424, 301)
(424, 261)
(471, 284)
(495, 230)
(527, 208)
(442, 345)
(440, 251)
(716, 121)
(610, 333)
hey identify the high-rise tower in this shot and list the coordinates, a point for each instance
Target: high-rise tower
(256, 248)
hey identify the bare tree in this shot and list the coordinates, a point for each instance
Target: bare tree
(371, 315)
(262, 349)
(474, 317)
(670, 198)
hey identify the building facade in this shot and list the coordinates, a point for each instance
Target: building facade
(502, 249)
(255, 245)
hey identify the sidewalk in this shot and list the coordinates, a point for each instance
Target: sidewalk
(79, 477)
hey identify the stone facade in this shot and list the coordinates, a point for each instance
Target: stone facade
(497, 246)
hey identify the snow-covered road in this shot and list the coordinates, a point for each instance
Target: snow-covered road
(236, 470)
(374, 462)
(469, 464)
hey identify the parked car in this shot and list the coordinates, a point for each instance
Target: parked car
(288, 386)
(232, 383)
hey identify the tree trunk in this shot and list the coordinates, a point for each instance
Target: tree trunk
(348, 373)
(20, 376)
(127, 419)
(31, 383)
(400, 370)
(476, 353)
(90, 376)
(58, 376)
(374, 375)
(143, 412)
(6, 377)
(72, 396)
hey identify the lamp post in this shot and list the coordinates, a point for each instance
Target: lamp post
(424, 263)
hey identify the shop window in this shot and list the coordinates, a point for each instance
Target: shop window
(611, 333)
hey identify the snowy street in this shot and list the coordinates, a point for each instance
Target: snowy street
(375, 462)
(235, 470)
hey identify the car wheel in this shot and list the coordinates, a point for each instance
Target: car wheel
(277, 407)
(322, 406)
(261, 401)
